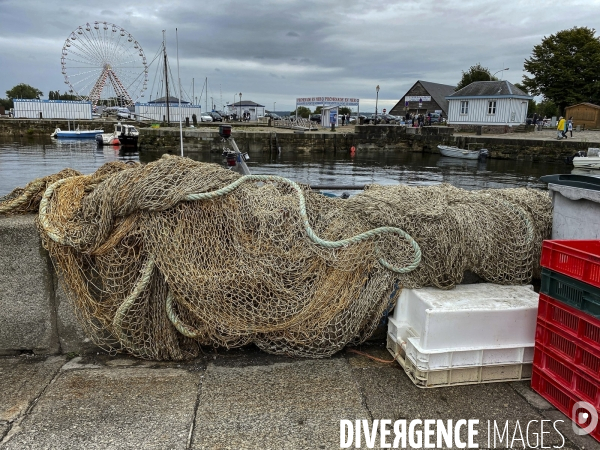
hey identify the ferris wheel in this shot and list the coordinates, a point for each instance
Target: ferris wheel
(103, 63)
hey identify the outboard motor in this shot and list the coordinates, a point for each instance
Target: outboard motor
(483, 153)
(569, 159)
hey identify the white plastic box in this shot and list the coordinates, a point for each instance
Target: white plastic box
(471, 325)
(454, 376)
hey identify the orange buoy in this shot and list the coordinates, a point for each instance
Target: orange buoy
(352, 150)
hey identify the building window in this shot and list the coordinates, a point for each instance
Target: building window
(464, 107)
(492, 107)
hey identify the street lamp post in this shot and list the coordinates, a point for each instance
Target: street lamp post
(274, 107)
(501, 70)
(376, 100)
(240, 104)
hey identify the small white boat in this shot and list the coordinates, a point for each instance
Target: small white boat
(126, 135)
(77, 133)
(456, 152)
(587, 162)
(107, 138)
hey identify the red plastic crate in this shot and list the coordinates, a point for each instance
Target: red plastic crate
(557, 394)
(576, 259)
(554, 340)
(567, 374)
(570, 320)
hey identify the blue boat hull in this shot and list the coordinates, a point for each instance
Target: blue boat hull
(88, 134)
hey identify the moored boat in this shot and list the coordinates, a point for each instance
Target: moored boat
(77, 133)
(587, 162)
(128, 135)
(107, 139)
(456, 152)
(125, 135)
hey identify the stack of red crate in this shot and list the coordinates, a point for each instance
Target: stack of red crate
(566, 363)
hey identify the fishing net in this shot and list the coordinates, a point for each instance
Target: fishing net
(160, 258)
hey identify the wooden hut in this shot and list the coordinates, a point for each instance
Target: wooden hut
(584, 114)
(424, 97)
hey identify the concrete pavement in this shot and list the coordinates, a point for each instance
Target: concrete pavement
(242, 399)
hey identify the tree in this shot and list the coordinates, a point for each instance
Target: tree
(547, 108)
(56, 95)
(475, 73)
(7, 103)
(318, 109)
(23, 90)
(564, 67)
(303, 111)
(344, 110)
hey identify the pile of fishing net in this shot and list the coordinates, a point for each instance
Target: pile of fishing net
(161, 258)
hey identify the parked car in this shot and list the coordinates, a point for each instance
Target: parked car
(205, 117)
(315, 118)
(371, 120)
(216, 117)
(273, 116)
(120, 112)
(388, 118)
(354, 118)
(436, 118)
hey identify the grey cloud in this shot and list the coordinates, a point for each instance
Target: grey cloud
(338, 48)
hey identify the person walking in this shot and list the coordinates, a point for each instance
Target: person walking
(560, 128)
(570, 125)
(343, 119)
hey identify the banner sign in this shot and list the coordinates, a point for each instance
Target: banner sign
(417, 98)
(333, 116)
(327, 101)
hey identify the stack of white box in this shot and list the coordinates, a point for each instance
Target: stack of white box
(474, 333)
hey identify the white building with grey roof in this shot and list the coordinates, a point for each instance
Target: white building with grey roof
(494, 103)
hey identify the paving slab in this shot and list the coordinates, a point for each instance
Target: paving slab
(22, 380)
(284, 405)
(390, 394)
(125, 408)
(532, 397)
(564, 425)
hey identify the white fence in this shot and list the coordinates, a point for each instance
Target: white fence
(52, 109)
(157, 111)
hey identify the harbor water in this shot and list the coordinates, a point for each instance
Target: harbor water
(23, 159)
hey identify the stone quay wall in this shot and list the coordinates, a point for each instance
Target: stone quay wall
(258, 138)
(35, 313)
(364, 138)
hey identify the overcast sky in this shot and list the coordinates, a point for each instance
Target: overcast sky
(275, 51)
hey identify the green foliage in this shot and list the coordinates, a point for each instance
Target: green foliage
(56, 95)
(564, 67)
(303, 111)
(547, 108)
(475, 73)
(344, 110)
(318, 110)
(7, 103)
(23, 90)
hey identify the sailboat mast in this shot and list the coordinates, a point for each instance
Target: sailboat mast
(166, 77)
(179, 81)
(206, 100)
